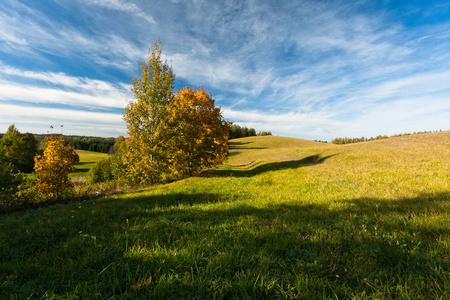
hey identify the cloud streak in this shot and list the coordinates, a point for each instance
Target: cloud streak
(60, 88)
(123, 6)
(38, 120)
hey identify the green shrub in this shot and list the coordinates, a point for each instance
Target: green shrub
(102, 171)
(10, 180)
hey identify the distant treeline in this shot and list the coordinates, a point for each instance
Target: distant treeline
(346, 140)
(89, 143)
(96, 144)
(237, 131)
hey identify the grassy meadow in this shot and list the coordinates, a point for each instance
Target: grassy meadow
(88, 159)
(283, 218)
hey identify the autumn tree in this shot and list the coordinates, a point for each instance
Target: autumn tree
(53, 168)
(198, 134)
(146, 119)
(19, 149)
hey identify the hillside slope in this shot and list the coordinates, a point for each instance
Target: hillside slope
(251, 150)
(283, 218)
(403, 166)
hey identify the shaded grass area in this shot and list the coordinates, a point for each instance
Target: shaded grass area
(185, 249)
(335, 222)
(256, 168)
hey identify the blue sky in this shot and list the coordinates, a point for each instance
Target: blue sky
(306, 69)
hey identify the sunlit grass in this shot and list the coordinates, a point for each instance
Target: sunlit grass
(284, 218)
(88, 159)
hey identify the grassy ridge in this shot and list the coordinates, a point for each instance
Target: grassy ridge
(284, 218)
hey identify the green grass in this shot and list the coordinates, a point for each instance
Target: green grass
(283, 218)
(88, 159)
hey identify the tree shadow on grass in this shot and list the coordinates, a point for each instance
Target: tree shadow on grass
(174, 200)
(80, 170)
(246, 148)
(234, 153)
(240, 145)
(368, 238)
(267, 167)
(318, 214)
(191, 246)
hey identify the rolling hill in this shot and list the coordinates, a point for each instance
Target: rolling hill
(283, 218)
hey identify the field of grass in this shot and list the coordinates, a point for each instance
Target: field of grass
(88, 159)
(283, 218)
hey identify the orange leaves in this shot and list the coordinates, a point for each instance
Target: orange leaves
(170, 135)
(138, 286)
(198, 135)
(53, 168)
(148, 281)
(191, 135)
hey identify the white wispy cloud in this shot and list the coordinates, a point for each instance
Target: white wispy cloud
(124, 6)
(60, 88)
(29, 93)
(38, 120)
(419, 85)
(33, 34)
(63, 79)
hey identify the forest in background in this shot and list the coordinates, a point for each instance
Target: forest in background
(79, 142)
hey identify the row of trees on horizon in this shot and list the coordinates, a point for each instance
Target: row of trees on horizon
(346, 140)
(236, 131)
(88, 143)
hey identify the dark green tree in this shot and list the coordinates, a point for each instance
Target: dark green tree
(235, 131)
(19, 149)
(10, 181)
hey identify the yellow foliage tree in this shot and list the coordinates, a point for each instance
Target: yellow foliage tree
(146, 119)
(198, 134)
(53, 168)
